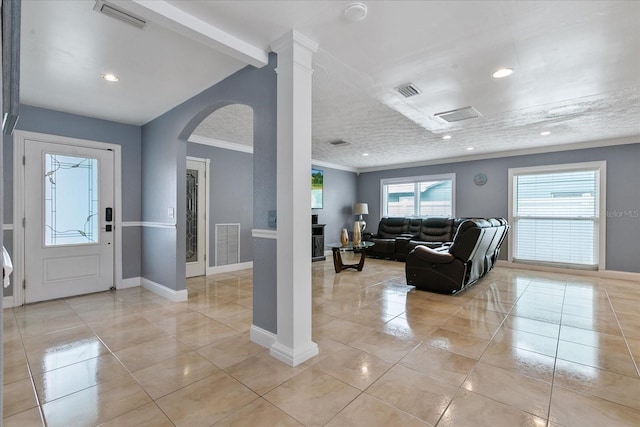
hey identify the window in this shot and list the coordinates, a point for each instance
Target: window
(419, 196)
(557, 215)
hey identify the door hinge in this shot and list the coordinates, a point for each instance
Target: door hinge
(24, 222)
(24, 160)
(24, 284)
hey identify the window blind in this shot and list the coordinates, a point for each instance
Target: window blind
(556, 217)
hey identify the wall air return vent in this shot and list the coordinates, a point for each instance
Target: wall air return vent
(408, 90)
(339, 142)
(458, 115)
(119, 14)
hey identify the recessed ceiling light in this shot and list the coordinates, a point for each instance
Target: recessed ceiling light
(446, 137)
(502, 72)
(469, 148)
(110, 77)
(365, 154)
(545, 133)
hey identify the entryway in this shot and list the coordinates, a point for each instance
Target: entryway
(66, 240)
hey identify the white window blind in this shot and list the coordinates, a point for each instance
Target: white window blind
(556, 215)
(423, 196)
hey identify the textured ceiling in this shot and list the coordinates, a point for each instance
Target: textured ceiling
(576, 71)
(233, 123)
(577, 75)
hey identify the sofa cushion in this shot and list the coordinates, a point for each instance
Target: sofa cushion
(389, 228)
(436, 230)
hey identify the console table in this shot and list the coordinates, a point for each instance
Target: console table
(317, 242)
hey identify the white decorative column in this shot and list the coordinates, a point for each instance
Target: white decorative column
(293, 345)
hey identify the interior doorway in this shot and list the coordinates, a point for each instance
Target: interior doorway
(197, 235)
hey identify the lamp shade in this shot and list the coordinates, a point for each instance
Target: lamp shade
(361, 209)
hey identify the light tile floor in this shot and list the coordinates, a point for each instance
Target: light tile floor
(520, 348)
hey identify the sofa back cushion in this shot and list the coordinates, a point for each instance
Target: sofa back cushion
(414, 226)
(436, 230)
(390, 227)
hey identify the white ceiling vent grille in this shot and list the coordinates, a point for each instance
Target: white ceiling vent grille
(119, 14)
(408, 90)
(458, 115)
(339, 142)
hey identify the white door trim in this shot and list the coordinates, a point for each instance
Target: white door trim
(19, 138)
(207, 174)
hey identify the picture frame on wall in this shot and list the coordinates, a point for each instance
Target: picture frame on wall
(317, 184)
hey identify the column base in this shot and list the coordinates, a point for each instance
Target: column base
(293, 357)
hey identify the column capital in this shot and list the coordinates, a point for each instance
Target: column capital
(293, 37)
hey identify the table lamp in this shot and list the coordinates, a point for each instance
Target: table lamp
(361, 209)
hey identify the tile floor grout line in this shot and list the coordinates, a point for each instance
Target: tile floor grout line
(555, 360)
(624, 337)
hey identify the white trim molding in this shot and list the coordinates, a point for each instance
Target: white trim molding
(293, 357)
(130, 282)
(151, 224)
(333, 166)
(509, 153)
(212, 142)
(262, 336)
(264, 234)
(229, 268)
(8, 302)
(604, 274)
(170, 294)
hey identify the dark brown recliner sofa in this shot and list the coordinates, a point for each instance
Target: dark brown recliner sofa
(450, 269)
(396, 237)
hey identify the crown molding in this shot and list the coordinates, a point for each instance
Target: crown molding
(212, 142)
(511, 153)
(333, 166)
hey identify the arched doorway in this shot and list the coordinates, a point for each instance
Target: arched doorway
(219, 192)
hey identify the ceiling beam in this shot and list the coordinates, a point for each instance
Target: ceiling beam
(181, 22)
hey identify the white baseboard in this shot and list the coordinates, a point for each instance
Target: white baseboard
(229, 268)
(262, 337)
(292, 357)
(605, 274)
(131, 282)
(8, 302)
(163, 291)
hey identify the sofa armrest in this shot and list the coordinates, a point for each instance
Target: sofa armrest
(426, 254)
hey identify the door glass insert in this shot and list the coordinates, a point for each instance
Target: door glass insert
(192, 215)
(71, 200)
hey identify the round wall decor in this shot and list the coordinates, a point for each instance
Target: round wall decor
(480, 179)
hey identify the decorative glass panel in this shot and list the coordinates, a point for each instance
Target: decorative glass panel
(192, 215)
(71, 200)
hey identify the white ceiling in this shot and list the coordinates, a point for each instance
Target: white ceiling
(576, 70)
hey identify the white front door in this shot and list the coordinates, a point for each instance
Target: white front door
(69, 220)
(196, 218)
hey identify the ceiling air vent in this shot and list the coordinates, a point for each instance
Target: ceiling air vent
(339, 142)
(119, 14)
(458, 115)
(408, 90)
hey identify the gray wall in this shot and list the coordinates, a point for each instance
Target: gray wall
(231, 191)
(35, 119)
(163, 173)
(623, 193)
(339, 195)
